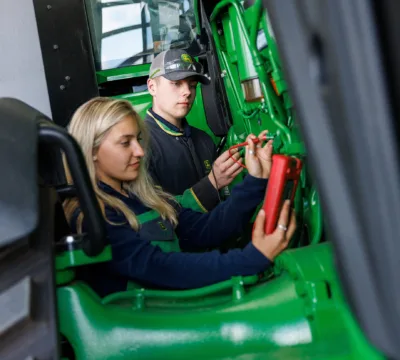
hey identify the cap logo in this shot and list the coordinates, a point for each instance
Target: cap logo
(187, 58)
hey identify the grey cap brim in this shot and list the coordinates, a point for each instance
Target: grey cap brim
(180, 75)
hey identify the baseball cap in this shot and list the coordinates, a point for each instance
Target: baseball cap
(175, 65)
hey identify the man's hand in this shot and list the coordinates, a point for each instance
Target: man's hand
(225, 169)
(272, 245)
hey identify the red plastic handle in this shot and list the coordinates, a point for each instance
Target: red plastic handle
(282, 185)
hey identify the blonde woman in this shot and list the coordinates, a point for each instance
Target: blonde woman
(151, 235)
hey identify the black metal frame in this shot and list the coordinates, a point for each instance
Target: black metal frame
(333, 62)
(216, 108)
(56, 138)
(67, 55)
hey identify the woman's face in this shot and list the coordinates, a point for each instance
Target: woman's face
(119, 155)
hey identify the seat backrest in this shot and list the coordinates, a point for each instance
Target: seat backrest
(27, 289)
(18, 191)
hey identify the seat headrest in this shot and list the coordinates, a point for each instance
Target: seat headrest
(18, 162)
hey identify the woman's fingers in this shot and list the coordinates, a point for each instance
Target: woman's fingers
(259, 225)
(251, 147)
(283, 221)
(292, 225)
(268, 149)
(263, 135)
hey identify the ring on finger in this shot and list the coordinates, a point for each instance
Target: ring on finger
(282, 227)
(251, 152)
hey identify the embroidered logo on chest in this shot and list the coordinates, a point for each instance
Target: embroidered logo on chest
(162, 226)
(207, 164)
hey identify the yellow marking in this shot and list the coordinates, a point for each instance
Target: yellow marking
(198, 201)
(173, 133)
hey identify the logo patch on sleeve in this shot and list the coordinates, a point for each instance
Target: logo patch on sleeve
(162, 226)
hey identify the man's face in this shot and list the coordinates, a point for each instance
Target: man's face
(172, 99)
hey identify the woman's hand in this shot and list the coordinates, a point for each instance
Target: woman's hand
(272, 245)
(258, 158)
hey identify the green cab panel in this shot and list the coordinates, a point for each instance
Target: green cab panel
(281, 316)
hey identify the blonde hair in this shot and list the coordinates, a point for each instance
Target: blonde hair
(89, 125)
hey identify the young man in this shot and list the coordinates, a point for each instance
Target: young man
(181, 156)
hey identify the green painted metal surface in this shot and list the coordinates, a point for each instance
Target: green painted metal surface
(296, 313)
(236, 32)
(74, 258)
(123, 73)
(66, 262)
(140, 101)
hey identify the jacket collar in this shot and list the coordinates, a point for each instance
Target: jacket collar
(109, 190)
(132, 201)
(168, 127)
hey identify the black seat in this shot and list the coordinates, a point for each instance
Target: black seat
(26, 257)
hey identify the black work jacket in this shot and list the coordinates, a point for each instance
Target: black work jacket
(181, 160)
